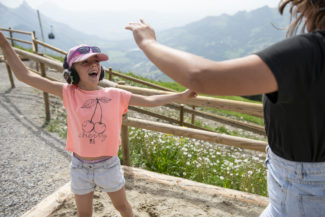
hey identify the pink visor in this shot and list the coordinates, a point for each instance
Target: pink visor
(83, 52)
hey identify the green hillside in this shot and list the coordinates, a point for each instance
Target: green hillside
(217, 38)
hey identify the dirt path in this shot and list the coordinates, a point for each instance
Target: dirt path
(157, 195)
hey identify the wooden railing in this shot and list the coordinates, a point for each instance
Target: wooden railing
(200, 101)
(41, 64)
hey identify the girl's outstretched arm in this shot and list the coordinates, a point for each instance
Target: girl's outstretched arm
(157, 100)
(22, 73)
(244, 76)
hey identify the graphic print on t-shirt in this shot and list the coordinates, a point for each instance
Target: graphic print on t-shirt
(91, 128)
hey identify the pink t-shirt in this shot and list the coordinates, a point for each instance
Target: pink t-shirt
(94, 120)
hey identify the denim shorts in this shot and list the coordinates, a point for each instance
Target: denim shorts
(107, 175)
(296, 189)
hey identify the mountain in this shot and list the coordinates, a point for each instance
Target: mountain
(215, 37)
(235, 36)
(25, 18)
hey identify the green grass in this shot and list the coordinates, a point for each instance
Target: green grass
(236, 115)
(23, 48)
(197, 160)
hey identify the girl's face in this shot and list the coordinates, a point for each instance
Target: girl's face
(89, 73)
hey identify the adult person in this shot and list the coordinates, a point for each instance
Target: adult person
(291, 74)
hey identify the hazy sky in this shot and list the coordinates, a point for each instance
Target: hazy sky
(161, 14)
(207, 7)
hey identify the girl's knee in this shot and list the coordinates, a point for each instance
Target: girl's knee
(123, 206)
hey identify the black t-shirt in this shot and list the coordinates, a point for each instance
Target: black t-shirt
(295, 115)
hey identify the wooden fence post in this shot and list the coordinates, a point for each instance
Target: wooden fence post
(181, 115)
(11, 78)
(125, 139)
(125, 143)
(35, 48)
(110, 75)
(193, 115)
(43, 73)
(45, 95)
(10, 34)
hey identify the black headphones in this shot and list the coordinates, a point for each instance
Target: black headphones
(71, 75)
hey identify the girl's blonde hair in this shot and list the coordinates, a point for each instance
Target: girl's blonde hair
(309, 13)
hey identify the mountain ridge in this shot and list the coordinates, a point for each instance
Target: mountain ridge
(215, 37)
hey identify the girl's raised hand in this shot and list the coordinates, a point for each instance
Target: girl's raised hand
(142, 33)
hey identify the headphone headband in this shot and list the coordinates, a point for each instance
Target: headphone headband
(71, 75)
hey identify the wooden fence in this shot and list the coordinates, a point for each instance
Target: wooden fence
(200, 101)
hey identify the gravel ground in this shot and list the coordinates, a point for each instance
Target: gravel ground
(33, 162)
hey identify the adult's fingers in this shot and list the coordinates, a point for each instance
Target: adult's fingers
(132, 26)
(129, 27)
(144, 22)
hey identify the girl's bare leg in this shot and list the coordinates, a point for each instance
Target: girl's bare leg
(121, 203)
(85, 204)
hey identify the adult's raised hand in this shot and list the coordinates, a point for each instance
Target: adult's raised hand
(143, 33)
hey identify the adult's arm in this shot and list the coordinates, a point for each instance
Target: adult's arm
(243, 76)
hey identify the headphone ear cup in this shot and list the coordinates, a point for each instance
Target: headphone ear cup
(67, 75)
(102, 73)
(74, 76)
(65, 63)
(66, 72)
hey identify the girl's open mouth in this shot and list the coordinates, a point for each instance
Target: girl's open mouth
(93, 74)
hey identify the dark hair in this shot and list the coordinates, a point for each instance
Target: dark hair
(71, 74)
(310, 13)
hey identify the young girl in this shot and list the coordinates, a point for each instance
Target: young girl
(94, 116)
